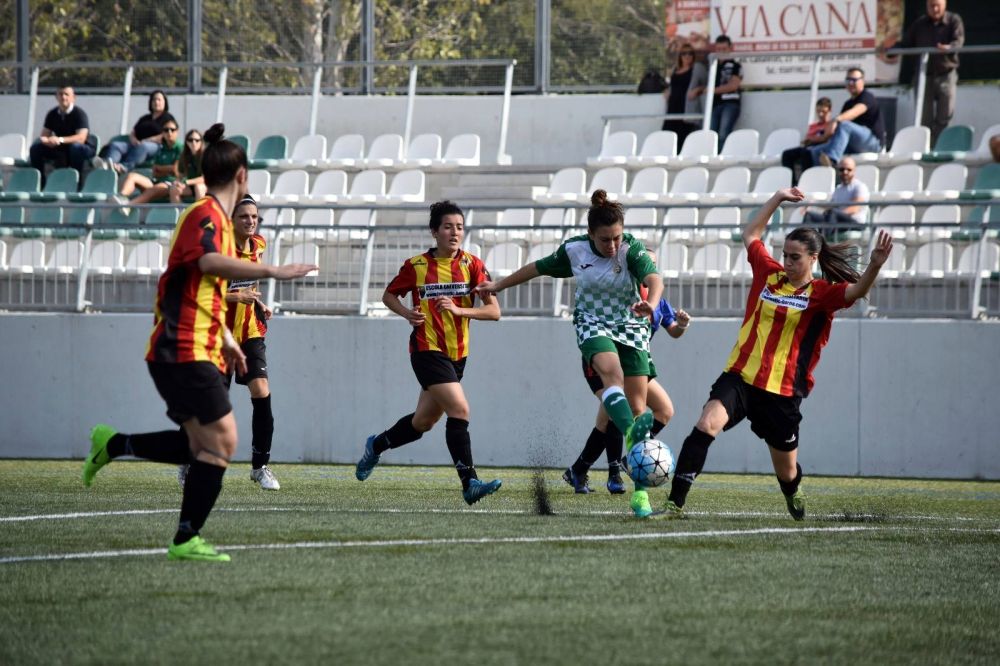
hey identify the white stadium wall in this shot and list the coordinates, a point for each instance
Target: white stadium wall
(892, 398)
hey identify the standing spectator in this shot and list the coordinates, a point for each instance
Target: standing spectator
(143, 142)
(687, 85)
(65, 137)
(858, 128)
(798, 159)
(946, 31)
(849, 215)
(728, 79)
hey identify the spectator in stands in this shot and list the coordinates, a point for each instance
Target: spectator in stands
(65, 139)
(728, 79)
(766, 383)
(849, 215)
(190, 350)
(944, 30)
(995, 147)
(440, 283)
(144, 140)
(798, 159)
(190, 182)
(165, 161)
(612, 330)
(858, 128)
(684, 94)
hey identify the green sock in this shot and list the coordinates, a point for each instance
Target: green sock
(616, 404)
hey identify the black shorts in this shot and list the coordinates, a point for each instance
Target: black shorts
(194, 389)
(256, 352)
(434, 367)
(594, 379)
(774, 418)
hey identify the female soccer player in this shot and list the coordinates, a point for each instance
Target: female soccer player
(769, 371)
(190, 349)
(611, 319)
(441, 283)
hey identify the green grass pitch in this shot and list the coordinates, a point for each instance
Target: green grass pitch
(399, 570)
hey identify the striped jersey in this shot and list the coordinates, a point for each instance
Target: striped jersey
(246, 321)
(784, 328)
(426, 276)
(190, 306)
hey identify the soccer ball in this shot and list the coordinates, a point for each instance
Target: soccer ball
(650, 463)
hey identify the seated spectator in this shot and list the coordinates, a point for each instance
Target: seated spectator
(143, 141)
(848, 215)
(190, 182)
(858, 128)
(995, 147)
(164, 171)
(684, 93)
(798, 159)
(65, 138)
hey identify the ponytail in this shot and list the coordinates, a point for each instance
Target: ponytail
(837, 261)
(603, 213)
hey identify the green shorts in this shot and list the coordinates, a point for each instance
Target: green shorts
(635, 363)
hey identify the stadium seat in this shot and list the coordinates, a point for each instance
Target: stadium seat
(987, 185)
(27, 257)
(76, 220)
(386, 151)
(718, 224)
(259, 184)
(566, 186)
(680, 217)
(741, 145)
(979, 259)
(303, 253)
(953, 143)
(13, 149)
(909, 144)
(366, 187)
(66, 257)
(510, 217)
(241, 140)
(290, 187)
(730, 185)
(641, 223)
(145, 259)
(817, 182)
(271, 150)
(40, 220)
(741, 265)
(778, 141)
(504, 258)
(903, 182)
(164, 216)
(711, 261)
(610, 179)
(647, 186)
(424, 150)
(328, 187)
(981, 154)
(406, 187)
(934, 217)
(540, 251)
(699, 148)
(658, 147)
(932, 260)
(897, 216)
(895, 265)
(308, 151)
(869, 175)
(347, 151)
(671, 259)
(100, 185)
(617, 148)
(107, 257)
(319, 223)
(357, 222)
(273, 218)
(21, 183)
(946, 182)
(769, 181)
(688, 185)
(462, 150)
(57, 185)
(553, 224)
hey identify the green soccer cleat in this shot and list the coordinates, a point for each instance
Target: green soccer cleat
(195, 550)
(640, 504)
(671, 512)
(796, 504)
(98, 456)
(639, 430)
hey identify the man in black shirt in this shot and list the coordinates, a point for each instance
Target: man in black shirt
(858, 128)
(65, 137)
(728, 79)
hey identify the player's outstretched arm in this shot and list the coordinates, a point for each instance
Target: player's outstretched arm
(231, 268)
(860, 289)
(754, 229)
(522, 274)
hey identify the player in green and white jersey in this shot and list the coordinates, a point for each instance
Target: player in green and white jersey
(611, 318)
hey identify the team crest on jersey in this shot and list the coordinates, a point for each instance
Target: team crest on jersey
(444, 289)
(794, 301)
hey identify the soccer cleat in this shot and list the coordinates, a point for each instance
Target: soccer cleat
(265, 477)
(615, 484)
(196, 550)
(98, 456)
(368, 460)
(579, 483)
(796, 504)
(639, 430)
(477, 490)
(671, 512)
(640, 504)
(182, 474)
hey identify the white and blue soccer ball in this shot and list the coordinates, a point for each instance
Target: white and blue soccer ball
(650, 463)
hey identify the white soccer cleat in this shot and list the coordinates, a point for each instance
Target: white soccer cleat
(265, 477)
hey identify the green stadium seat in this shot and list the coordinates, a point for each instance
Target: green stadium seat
(241, 140)
(59, 183)
(270, 150)
(160, 223)
(116, 218)
(100, 185)
(953, 143)
(987, 185)
(21, 185)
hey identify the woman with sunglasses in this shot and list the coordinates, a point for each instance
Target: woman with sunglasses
(164, 171)
(190, 182)
(684, 95)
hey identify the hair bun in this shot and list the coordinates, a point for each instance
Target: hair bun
(599, 198)
(214, 133)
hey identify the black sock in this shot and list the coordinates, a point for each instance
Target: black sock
(689, 464)
(591, 452)
(789, 487)
(166, 446)
(456, 436)
(399, 434)
(201, 489)
(657, 427)
(614, 443)
(263, 430)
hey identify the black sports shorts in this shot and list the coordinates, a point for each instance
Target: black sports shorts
(256, 352)
(774, 418)
(434, 367)
(195, 389)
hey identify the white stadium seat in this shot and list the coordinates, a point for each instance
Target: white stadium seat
(406, 187)
(504, 258)
(386, 151)
(741, 145)
(688, 185)
(777, 142)
(12, 149)
(711, 260)
(610, 179)
(731, 184)
(945, 182)
(903, 182)
(658, 147)
(259, 184)
(107, 257)
(462, 150)
(769, 181)
(145, 259)
(907, 146)
(647, 186)
(617, 148)
(366, 187)
(672, 258)
(985, 256)
(328, 187)
(567, 184)
(932, 260)
(423, 151)
(309, 150)
(65, 258)
(699, 147)
(347, 151)
(817, 182)
(290, 187)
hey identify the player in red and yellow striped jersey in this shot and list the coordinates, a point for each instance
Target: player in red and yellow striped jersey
(190, 349)
(440, 283)
(769, 371)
